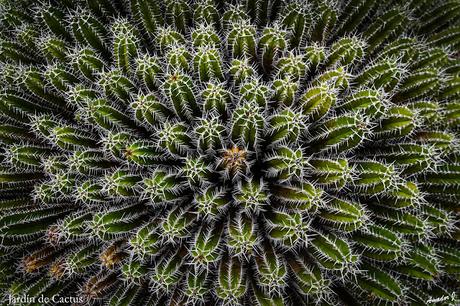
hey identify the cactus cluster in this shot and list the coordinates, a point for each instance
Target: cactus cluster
(258, 152)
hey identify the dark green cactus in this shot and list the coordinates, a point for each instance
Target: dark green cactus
(254, 152)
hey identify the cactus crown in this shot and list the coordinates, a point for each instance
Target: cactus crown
(174, 152)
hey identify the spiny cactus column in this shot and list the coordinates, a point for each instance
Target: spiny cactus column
(255, 152)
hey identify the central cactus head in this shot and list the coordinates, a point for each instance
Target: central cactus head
(253, 152)
(234, 159)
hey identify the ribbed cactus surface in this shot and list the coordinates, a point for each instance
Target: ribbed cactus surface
(262, 152)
